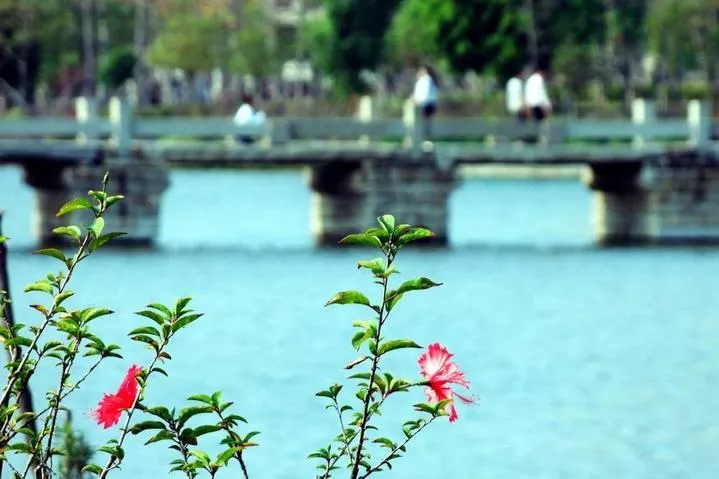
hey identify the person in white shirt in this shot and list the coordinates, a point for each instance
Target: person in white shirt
(514, 96)
(248, 115)
(425, 96)
(535, 96)
(425, 91)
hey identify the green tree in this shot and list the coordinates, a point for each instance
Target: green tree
(357, 39)
(692, 42)
(118, 66)
(193, 43)
(467, 35)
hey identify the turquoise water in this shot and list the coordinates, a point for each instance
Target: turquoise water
(589, 363)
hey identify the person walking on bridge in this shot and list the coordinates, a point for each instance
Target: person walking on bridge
(514, 96)
(536, 98)
(537, 102)
(425, 97)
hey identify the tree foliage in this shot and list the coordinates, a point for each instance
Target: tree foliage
(357, 39)
(466, 35)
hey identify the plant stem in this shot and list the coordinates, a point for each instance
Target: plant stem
(15, 374)
(126, 427)
(373, 372)
(62, 396)
(344, 435)
(55, 408)
(394, 450)
(238, 454)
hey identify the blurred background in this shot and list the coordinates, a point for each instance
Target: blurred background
(590, 362)
(196, 57)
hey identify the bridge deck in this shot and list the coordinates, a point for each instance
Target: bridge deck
(201, 154)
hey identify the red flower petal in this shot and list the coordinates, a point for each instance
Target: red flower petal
(110, 407)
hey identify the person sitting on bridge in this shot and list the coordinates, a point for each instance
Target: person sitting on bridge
(246, 115)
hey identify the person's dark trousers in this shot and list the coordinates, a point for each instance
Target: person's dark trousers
(247, 140)
(428, 112)
(538, 115)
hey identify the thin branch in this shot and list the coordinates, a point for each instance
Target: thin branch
(395, 449)
(373, 372)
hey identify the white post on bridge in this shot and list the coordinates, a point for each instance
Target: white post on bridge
(699, 121)
(86, 114)
(121, 127)
(365, 114)
(414, 122)
(643, 113)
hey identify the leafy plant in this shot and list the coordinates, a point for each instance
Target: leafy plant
(353, 447)
(64, 333)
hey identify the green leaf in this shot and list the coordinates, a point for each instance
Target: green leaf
(413, 235)
(70, 231)
(52, 252)
(145, 330)
(111, 200)
(412, 285)
(146, 425)
(191, 411)
(387, 222)
(161, 412)
(385, 442)
(92, 469)
(160, 436)
(206, 429)
(361, 239)
(102, 240)
(74, 205)
(377, 265)
(359, 338)
(357, 361)
(43, 286)
(154, 316)
(161, 308)
(188, 436)
(225, 455)
(3, 239)
(416, 284)
(60, 298)
(201, 398)
(94, 313)
(387, 346)
(348, 297)
(97, 226)
(180, 305)
(184, 321)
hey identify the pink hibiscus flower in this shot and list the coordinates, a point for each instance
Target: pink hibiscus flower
(110, 407)
(438, 369)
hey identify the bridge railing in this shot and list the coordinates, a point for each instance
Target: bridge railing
(122, 128)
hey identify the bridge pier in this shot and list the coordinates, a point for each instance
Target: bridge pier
(50, 183)
(624, 209)
(348, 196)
(141, 183)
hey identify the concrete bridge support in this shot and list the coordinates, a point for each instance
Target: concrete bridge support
(674, 199)
(140, 182)
(349, 196)
(625, 208)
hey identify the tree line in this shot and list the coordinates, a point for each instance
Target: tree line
(76, 46)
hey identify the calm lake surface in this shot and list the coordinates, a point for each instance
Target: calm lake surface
(589, 363)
